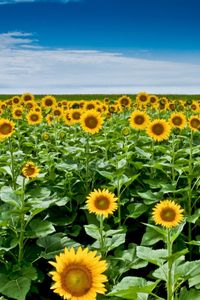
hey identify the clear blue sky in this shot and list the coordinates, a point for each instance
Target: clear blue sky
(166, 30)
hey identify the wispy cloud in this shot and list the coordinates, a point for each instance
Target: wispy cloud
(31, 1)
(40, 70)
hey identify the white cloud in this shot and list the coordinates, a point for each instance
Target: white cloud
(2, 2)
(40, 70)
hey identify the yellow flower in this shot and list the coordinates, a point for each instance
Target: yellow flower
(17, 112)
(34, 117)
(124, 101)
(6, 128)
(139, 120)
(91, 121)
(75, 115)
(142, 98)
(194, 123)
(167, 213)
(159, 130)
(27, 97)
(152, 99)
(48, 101)
(90, 105)
(178, 120)
(57, 112)
(101, 202)
(78, 275)
(30, 170)
(16, 100)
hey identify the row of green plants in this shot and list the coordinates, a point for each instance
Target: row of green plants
(110, 215)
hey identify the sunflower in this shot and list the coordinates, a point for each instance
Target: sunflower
(159, 129)
(142, 98)
(34, 117)
(16, 100)
(194, 123)
(67, 118)
(91, 121)
(167, 213)
(178, 120)
(195, 106)
(30, 170)
(49, 119)
(57, 112)
(139, 120)
(75, 115)
(6, 128)
(124, 101)
(90, 105)
(78, 275)
(17, 112)
(101, 202)
(152, 99)
(48, 101)
(27, 97)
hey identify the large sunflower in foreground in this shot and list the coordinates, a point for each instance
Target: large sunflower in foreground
(6, 128)
(167, 213)
(78, 275)
(178, 120)
(159, 129)
(91, 121)
(30, 170)
(139, 120)
(101, 202)
(34, 117)
(194, 123)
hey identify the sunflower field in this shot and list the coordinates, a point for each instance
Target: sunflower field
(99, 198)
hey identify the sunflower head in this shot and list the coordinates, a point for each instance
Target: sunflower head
(101, 202)
(30, 170)
(178, 120)
(167, 213)
(124, 101)
(142, 98)
(159, 129)
(75, 115)
(139, 120)
(194, 123)
(6, 128)
(48, 101)
(17, 112)
(91, 121)
(27, 97)
(16, 100)
(78, 275)
(34, 117)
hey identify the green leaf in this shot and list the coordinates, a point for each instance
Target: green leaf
(149, 197)
(191, 294)
(157, 257)
(54, 244)
(93, 231)
(129, 288)
(151, 236)
(39, 228)
(7, 195)
(194, 281)
(194, 217)
(136, 210)
(106, 174)
(16, 289)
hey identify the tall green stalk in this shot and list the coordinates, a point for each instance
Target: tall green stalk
(170, 273)
(22, 227)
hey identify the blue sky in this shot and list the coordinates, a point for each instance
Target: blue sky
(86, 46)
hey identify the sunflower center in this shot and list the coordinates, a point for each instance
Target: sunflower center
(124, 102)
(177, 121)
(18, 113)
(158, 129)
(57, 112)
(91, 122)
(27, 98)
(139, 120)
(152, 99)
(90, 106)
(76, 115)
(15, 100)
(30, 170)
(48, 102)
(5, 128)
(102, 203)
(195, 123)
(168, 214)
(143, 98)
(77, 280)
(34, 117)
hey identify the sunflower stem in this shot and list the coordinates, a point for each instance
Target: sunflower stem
(87, 147)
(102, 238)
(22, 227)
(12, 167)
(189, 177)
(170, 279)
